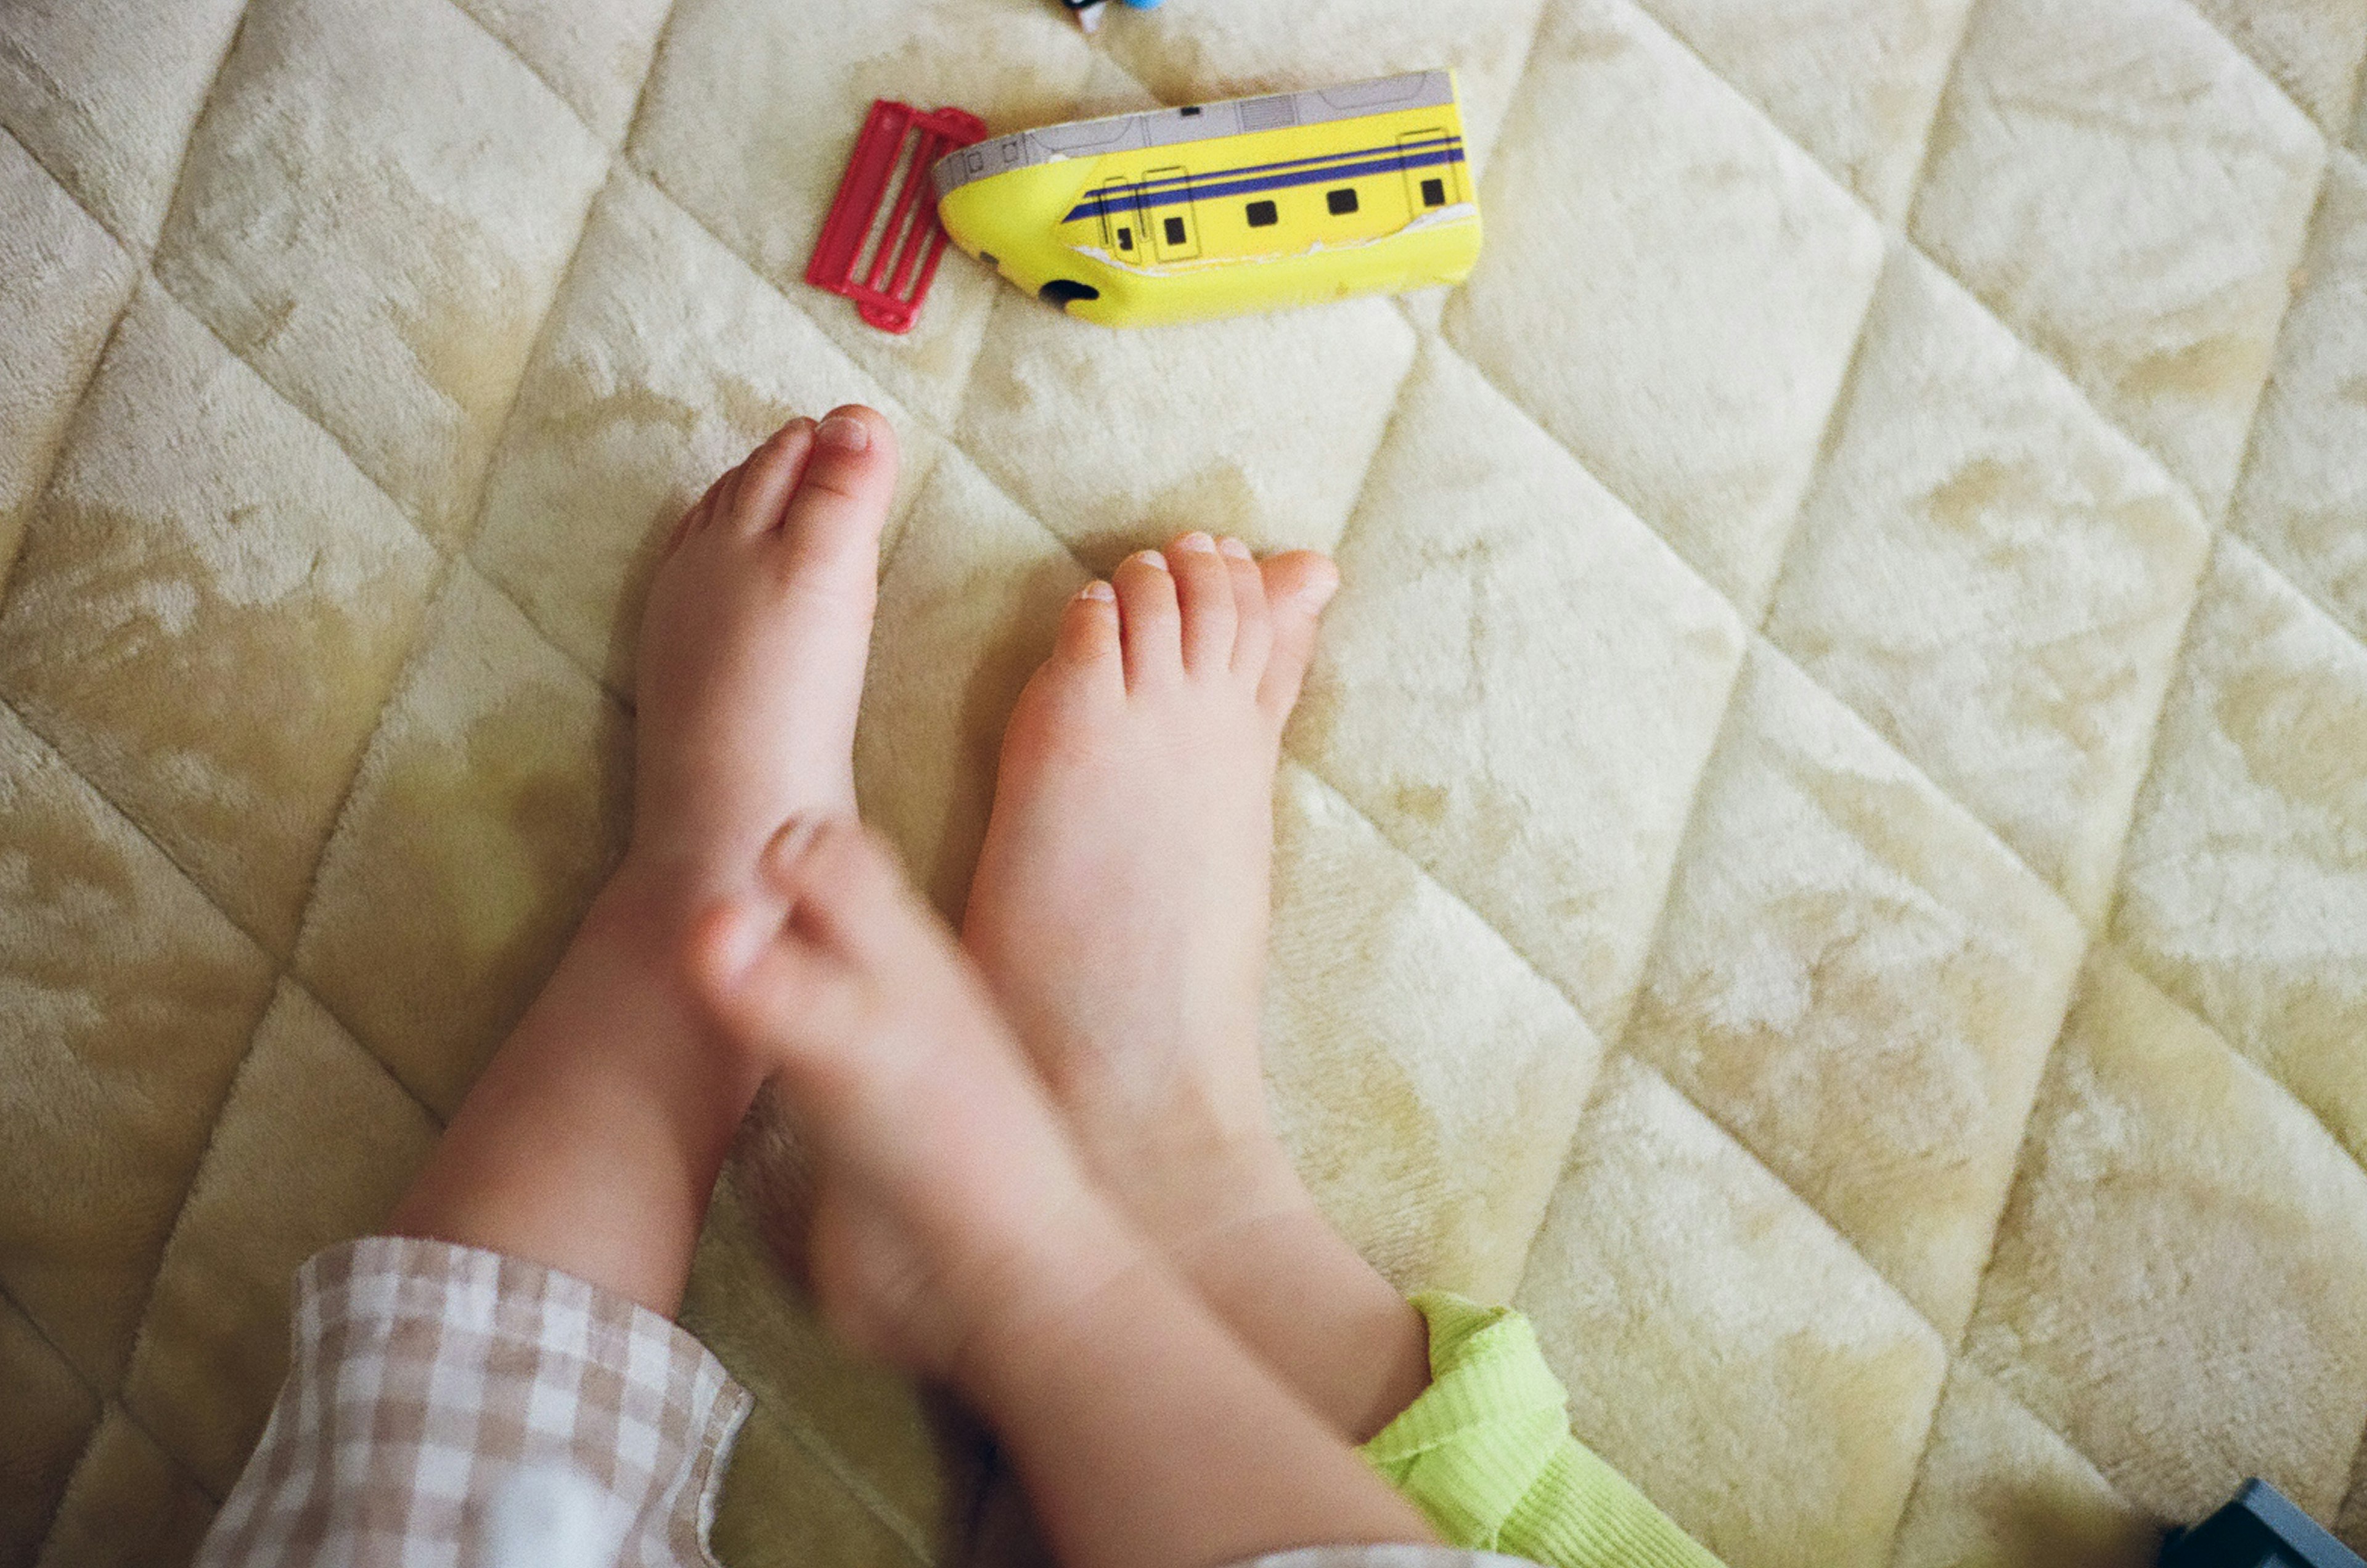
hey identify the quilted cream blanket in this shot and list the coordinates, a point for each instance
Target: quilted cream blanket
(1825, 856)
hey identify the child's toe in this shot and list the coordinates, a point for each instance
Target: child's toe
(833, 516)
(1298, 586)
(1151, 620)
(769, 476)
(1254, 640)
(1204, 593)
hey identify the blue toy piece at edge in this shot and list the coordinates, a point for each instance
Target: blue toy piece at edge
(2259, 1529)
(1088, 12)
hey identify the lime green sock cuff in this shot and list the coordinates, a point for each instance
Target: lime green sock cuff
(1486, 1455)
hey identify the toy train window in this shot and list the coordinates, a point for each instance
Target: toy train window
(1177, 237)
(1118, 199)
(1262, 215)
(1342, 202)
(1419, 151)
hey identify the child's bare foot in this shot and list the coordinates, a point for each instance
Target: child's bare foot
(947, 1194)
(1120, 904)
(751, 661)
(1120, 911)
(956, 1231)
(752, 649)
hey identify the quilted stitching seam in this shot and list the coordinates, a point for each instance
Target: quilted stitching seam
(114, 1407)
(2358, 73)
(99, 1401)
(81, 394)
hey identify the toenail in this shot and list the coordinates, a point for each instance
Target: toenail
(1151, 559)
(844, 432)
(1198, 544)
(1097, 589)
(1234, 549)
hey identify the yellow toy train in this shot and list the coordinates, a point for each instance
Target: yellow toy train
(1215, 209)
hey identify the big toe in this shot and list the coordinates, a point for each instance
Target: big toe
(1299, 585)
(830, 518)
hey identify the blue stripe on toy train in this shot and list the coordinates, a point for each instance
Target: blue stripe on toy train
(1249, 179)
(1428, 143)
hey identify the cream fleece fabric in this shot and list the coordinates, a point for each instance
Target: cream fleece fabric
(1825, 852)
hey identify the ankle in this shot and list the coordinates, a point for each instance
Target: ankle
(1290, 1286)
(667, 880)
(645, 920)
(1210, 1191)
(1048, 1296)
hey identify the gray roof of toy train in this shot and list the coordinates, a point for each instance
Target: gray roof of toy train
(1194, 122)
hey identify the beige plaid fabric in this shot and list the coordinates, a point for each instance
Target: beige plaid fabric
(446, 1406)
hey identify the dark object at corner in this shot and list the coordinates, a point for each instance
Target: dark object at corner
(2259, 1529)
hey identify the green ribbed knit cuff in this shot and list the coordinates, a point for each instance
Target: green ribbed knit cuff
(1486, 1455)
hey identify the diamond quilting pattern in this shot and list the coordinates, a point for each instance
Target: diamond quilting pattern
(593, 56)
(419, 229)
(1858, 984)
(2143, 245)
(1853, 82)
(106, 96)
(134, 1053)
(2170, 1183)
(1998, 1485)
(1500, 609)
(58, 267)
(129, 1502)
(387, 213)
(1722, 1347)
(2036, 570)
(2244, 890)
(200, 538)
(1473, 1067)
(54, 1417)
(663, 362)
(2313, 47)
(2305, 491)
(1712, 261)
(1287, 414)
(491, 802)
(200, 1378)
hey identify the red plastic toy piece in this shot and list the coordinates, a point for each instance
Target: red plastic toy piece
(892, 159)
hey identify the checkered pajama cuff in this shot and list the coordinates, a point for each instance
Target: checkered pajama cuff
(449, 1406)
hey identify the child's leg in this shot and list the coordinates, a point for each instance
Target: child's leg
(956, 1231)
(591, 1144)
(1120, 912)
